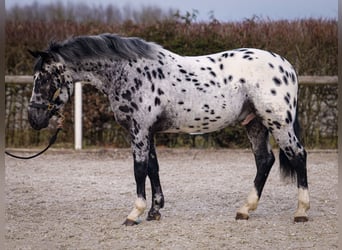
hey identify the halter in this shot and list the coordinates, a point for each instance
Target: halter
(51, 107)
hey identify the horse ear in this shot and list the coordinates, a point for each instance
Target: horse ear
(37, 54)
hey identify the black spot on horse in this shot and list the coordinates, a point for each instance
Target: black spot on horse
(139, 70)
(277, 124)
(221, 66)
(289, 115)
(294, 102)
(277, 81)
(211, 59)
(213, 73)
(160, 73)
(160, 92)
(273, 92)
(272, 54)
(154, 74)
(293, 77)
(242, 80)
(127, 95)
(134, 105)
(180, 103)
(156, 101)
(149, 77)
(138, 83)
(182, 71)
(124, 109)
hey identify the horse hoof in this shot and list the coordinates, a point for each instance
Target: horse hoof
(155, 215)
(301, 219)
(241, 216)
(130, 222)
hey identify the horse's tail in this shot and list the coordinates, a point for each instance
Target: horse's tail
(287, 170)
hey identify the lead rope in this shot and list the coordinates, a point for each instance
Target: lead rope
(51, 142)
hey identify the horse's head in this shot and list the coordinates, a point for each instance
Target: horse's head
(52, 88)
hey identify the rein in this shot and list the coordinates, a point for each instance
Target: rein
(51, 141)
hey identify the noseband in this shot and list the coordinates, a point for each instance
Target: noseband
(51, 106)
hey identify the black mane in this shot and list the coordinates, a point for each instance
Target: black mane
(106, 46)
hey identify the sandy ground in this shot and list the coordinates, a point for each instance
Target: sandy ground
(78, 200)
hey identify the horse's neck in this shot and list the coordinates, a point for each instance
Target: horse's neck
(101, 74)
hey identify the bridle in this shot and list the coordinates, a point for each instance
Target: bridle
(52, 108)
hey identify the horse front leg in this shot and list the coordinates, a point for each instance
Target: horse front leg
(157, 193)
(140, 148)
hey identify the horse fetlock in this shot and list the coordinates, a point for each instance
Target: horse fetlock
(158, 201)
(252, 200)
(138, 210)
(251, 204)
(153, 214)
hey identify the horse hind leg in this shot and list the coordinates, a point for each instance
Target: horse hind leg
(292, 157)
(259, 137)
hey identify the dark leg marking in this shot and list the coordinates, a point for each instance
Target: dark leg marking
(157, 193)
(140, 173)
(258, 135)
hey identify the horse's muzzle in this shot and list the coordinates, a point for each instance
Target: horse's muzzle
(38, 117)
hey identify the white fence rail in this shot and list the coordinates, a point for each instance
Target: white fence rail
(24, 79)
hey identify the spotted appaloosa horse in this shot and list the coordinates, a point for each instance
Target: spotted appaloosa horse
(151, 89)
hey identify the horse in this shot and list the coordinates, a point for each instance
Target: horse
(153, 90)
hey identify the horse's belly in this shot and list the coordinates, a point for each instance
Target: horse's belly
(196, 124)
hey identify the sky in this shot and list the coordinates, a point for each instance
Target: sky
(223, 10)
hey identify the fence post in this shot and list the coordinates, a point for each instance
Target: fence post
(78, 115)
